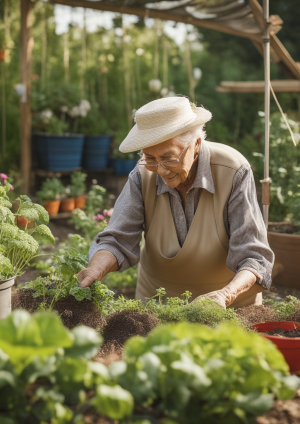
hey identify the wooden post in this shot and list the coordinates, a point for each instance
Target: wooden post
(25, 110)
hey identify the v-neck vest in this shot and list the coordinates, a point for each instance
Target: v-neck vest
(199, 266)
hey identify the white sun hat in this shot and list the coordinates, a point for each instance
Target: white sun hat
(161, 120)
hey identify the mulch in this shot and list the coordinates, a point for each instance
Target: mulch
(253, 314)
(283, 412)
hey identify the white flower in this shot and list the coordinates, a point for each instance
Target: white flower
(139, 51)
(297, 168)
(110, 58)
(155, 85)
(64, 109)
(83, 113)
(85, 105)
(290, 193)
(74, 112)
(127, 38)
(46, 115)
(282, 170)
(164, 91)
(171, 94)
(258, 154)
(262, 114)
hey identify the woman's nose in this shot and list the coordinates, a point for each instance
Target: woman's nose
(162, 171)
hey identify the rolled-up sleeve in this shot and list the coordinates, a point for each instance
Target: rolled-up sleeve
(123, 235)
(248, 243)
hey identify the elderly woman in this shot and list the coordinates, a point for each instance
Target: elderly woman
(196, 203)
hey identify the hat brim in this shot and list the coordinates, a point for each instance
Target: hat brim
(141, 139)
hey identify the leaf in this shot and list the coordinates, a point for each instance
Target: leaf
(255, 403)
(6, 203)
(28, 212)
(113, 402)
(6, 215)
(23, 336)
(44, 231)
(86, 343)
(24, 199)
(6, 377)
(43, 214)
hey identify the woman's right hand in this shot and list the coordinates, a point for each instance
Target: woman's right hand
(100, 265)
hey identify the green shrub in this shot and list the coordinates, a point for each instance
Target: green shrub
(77, 186)
(284, 308)
(52, 189)
(193, 374)
(46, 375)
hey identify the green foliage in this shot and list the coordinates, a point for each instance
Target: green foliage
(284, 168)
(87, 224)
(127, 278)
(63, 282)
(18, 246)
(78, 186)
(52, 189)
(191, 373)
(46, 375)
(97, 200)
(284, 308)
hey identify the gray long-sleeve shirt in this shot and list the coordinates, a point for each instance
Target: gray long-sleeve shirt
(248, 244)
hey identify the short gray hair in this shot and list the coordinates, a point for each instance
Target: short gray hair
(191, 135)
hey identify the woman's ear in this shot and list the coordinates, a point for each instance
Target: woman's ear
(198, 144)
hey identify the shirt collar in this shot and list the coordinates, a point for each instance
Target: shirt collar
(203, 174)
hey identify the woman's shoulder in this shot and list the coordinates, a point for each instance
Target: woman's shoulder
(223, 155)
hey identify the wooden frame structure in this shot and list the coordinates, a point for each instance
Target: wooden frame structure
(278, 52)
(279, 86)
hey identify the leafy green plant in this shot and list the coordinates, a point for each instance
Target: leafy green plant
(47, 376)
(78, 186)
(18, 247)
(63, 282)
(97, 200)
(127, 278)
(190, 373)
(52, 189)
(284, 308)
(86, 223)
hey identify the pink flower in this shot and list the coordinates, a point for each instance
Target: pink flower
(3, 176)
(11, 187)
(108, 212)
(99, 217)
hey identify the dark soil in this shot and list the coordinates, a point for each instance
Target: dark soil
(71, 312)
(252, 314)
(283, 412)
(119, 327)
(284, 333)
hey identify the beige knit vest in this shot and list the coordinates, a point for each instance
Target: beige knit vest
(200, 264)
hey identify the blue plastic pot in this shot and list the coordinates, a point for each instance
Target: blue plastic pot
(58, 153)
(123, 166)
(96, 152)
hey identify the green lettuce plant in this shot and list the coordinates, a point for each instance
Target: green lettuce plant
(194, 374)
(47, 376)
(284, 308)
(18, 247)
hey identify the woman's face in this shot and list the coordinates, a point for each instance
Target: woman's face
(171, 150)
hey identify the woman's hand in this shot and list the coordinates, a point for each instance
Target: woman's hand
(100, 265)
(242, 282)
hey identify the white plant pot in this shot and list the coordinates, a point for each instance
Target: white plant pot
(5, 297)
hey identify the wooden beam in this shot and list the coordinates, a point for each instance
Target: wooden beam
(275, 44)
(283, 86)
(25, 110)
(149, 13)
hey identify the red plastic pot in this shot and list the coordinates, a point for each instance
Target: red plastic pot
(289, 347)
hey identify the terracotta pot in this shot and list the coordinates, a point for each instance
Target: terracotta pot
(288, 346)
(80, 202)
(3, 54)
(67, 205)
(22, 222)
(5, 297)
(287, 253)
(52, 207)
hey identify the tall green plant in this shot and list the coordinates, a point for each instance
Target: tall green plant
(18, 247)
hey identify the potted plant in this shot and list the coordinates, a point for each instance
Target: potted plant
(18, 247)
(50, 195)
(97, 141)
(78, 189)
(284, 226)
(123, 163)
(57, 113)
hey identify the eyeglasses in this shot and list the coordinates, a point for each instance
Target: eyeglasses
(166, 164)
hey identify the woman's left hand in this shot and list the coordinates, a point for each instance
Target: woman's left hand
(217, 296)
